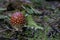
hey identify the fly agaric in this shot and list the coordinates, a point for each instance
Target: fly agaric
(17, 20)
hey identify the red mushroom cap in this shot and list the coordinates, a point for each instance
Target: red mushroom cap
(17, 18)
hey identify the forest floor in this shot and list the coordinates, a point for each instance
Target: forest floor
(42, 20)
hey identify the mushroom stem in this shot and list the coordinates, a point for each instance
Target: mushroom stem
(17, 27)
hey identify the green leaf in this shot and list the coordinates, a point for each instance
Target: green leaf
(36, 11)
(3, 17)
(31, 23)
(31, 10)
(2, 9)
(28, 10)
